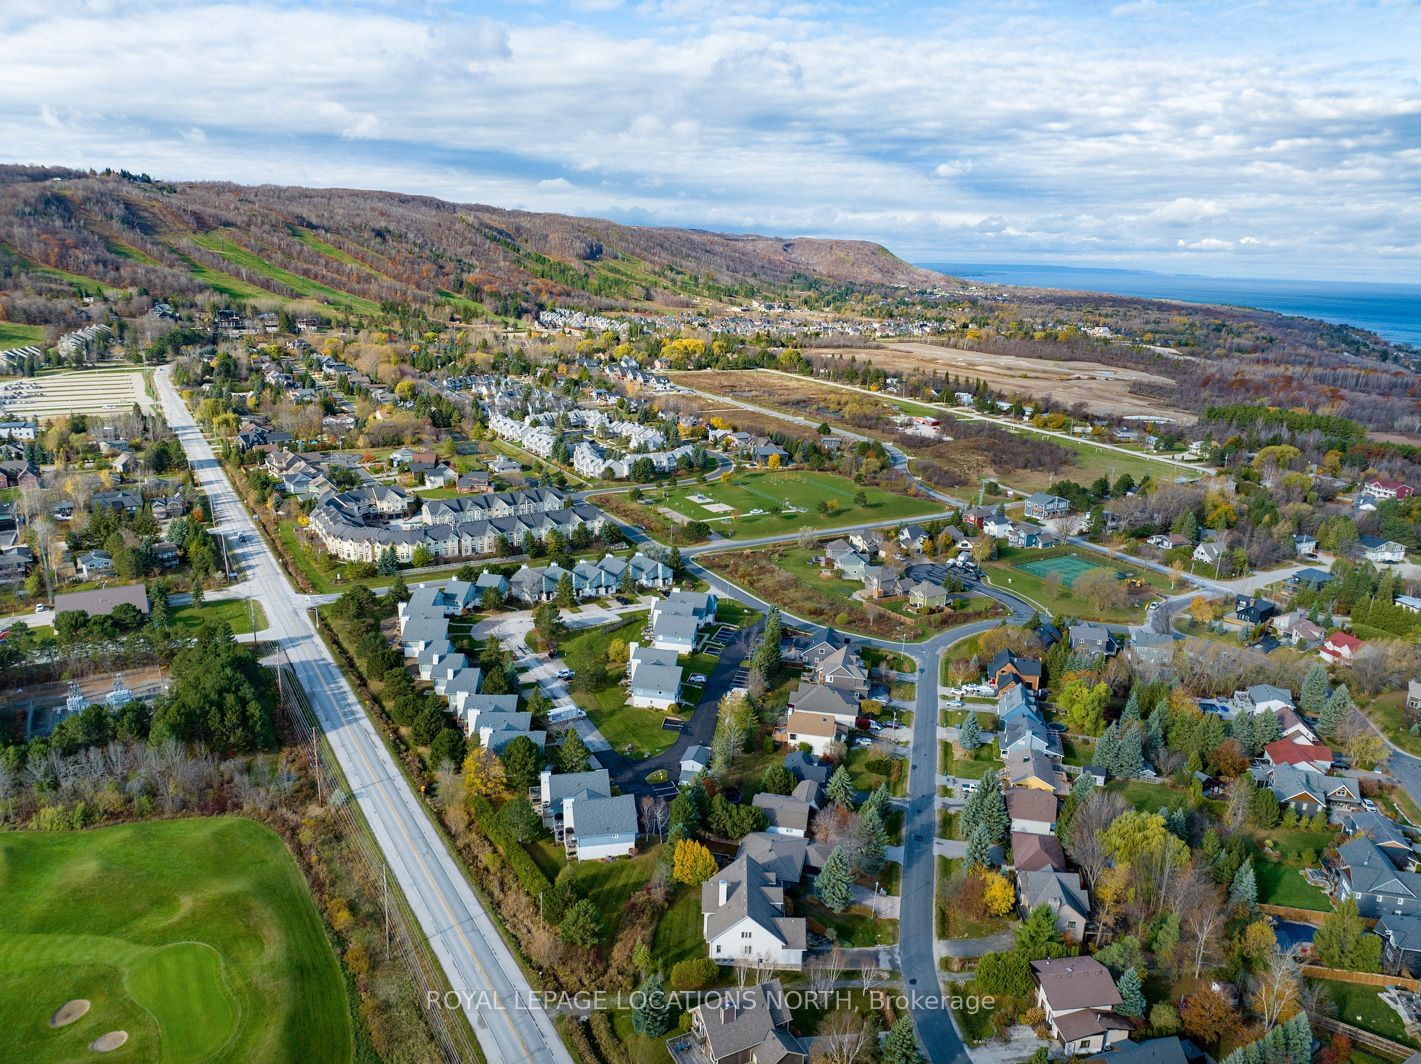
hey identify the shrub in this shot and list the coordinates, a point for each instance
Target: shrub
(529, 875)
(693, 974)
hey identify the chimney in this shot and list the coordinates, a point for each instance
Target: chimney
(724, 892)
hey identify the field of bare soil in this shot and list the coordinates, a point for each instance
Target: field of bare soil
(1104, 389)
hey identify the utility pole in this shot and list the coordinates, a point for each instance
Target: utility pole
(385, 896)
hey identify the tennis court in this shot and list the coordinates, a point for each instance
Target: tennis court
(1066, 567)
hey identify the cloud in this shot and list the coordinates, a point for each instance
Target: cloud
(1137, 140)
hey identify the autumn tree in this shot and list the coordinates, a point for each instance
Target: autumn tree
(691, 862)
(483, 773)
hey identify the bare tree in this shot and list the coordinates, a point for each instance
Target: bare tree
(1088, 826)
(847, 1039)
(1275, 988)
(827, 971)
(1203, 915)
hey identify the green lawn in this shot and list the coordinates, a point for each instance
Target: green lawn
(235, 612)
(1363, 1007)
(13, 335)
(728, 611)
(1151, 797)
(610, 883)
(855, 926)
(621, 724)
(1052, 596)
(678, 936)
(972, 766)
(221, 244)
(772, 490)
(197, 937)
(868, 770)
(1279, 884)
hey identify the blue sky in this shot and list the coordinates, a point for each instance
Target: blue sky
(1247, 139)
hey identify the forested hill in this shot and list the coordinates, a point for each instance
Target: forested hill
(355, 249)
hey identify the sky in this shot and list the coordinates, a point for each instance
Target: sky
(1268, 139)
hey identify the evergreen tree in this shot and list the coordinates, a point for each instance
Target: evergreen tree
(969, 736)
(979, 846)
(1131, 713)
(651, 1008)
(869, 840)
(573, 755)
(833, 885)
(1129, 760)
(1313, 695)
(388, 564)
(876, 802)
(1337, 711)
(1242, 729)
(1132, 997)
(1154, 732)
(901, 1045)
(1266, 729)
(1244, 888)
(1106, 747)
(565, 597)
(1176, 820)
(841, 788)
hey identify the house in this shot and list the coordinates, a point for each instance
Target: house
(1032, 852)
(1343, 794)
(103, 601)
(1304, 546)
(925, 595)
(883, 581)
(1380, 551)
(1093, 639)
(490, 581)
(94, 563)
(1308, 580)
(1208, 553)
(843, 706)
(784, 813)
(1149, 649)
(18, 474)
(1366, 874)
(476, 482)
(556, 788)
(1303, 792)
(654, 678)
(694, 761)
(1006, 670)
(843, 670)
(786, 856)
(1263, 698)
(1339, 648)
(675, 632)
(598, 828)
(818, 731)
(1043, 507)
(1294, 727)
(1249, 609)
(913, 537)
(807, 767)
(1309, 757)
(1032, 812)
(747, 1026)
(1413, 695)
(743, 918)
(1387, 488)
(1383, 831)
(700, 606)
(1026, 732)
(1078, 995)
(1168, 541)
(1401, 943)
(1171, 1050)
(1298, 631)
(1034, 769)
(1015, 701)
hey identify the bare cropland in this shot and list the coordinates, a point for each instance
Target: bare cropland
(1104, 389)
(87, 391)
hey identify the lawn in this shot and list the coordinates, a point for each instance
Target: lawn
(223, 245)
(790, 500)
(1279, 884)
(609, 884)
(678, 936)
(1363, 1007)
(197, 937)
(1024, 572)
(971, 766)
(868, 770)
(1390, 718)
(1151, 797)
(238, 613)
(333, 582)
(855, 926)
(625, 726)
(13, 335)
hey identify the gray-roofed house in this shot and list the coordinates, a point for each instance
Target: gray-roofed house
(655, 686)
(1382, 830)
(694, 761)
(819, 698)
(101, 601)
(806, 766)
(1401, 943)
(1089, 638)
(784, 813)
(1294, 788)
(677, 632)
(1063, 893)
(1365, 873)
(747, 1026)
(599, 828)
(743, 918)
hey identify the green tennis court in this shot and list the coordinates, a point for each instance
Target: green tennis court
(1067, 567)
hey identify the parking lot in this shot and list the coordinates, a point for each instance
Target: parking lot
(96, 391)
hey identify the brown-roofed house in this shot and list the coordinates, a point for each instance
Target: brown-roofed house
(1037, 853)
(1079, 998)
(816, 730)
(745, 1026)
(1031, 810)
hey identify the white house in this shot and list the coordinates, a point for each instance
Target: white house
(743, 918)
(595, 829)
(818, 731)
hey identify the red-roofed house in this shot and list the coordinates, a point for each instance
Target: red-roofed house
(1309, 757)
(1339, 648)
(1386, 488)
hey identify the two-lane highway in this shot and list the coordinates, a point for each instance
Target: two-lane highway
(498, 1000)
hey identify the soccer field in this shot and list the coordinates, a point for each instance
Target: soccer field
(787, 500)
(180, 940)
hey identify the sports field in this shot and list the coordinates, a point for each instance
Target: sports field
(770, 501)
(195, 939)
(1065, 566)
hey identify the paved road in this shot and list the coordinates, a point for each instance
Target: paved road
(475, 960)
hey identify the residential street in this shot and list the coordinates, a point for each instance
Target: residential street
(473, 955)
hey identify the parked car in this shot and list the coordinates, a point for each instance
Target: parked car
(1369, 805)
(953, 703)
(43, 607)
(564, 674)
(698, 677)
(863, 740)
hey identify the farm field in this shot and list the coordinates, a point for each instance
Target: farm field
(197, 938)
(84, 391)
(1045, 578)
(787, 500)
(222, 245)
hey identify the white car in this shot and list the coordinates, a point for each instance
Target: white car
(863, 741)
(1369, 805)
(699, 677)
(564, 674)
(43, 607)
(953, 703)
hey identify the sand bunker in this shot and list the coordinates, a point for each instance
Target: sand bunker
(69, 1012)
(106, 1043)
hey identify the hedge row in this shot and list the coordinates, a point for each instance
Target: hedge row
(523, 866)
